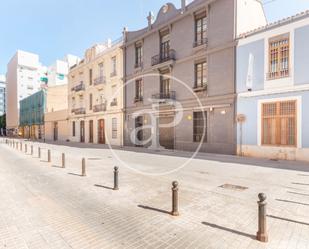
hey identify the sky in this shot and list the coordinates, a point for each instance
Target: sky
(54, 28)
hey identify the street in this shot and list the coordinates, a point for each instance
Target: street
(46, 206)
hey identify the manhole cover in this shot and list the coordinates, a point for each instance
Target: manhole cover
(233, 187)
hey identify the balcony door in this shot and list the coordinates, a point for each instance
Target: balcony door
(164, 46)
(91, 131)
(101, 132)
(165, 86)
(82, 131)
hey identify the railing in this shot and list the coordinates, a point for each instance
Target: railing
(278, 74)
(78, 88)
(200, 42)
(138, 99)
(114, 102)
(113, 74)
(99, 81)
(163, 57)
(138, 64)
(79, 111)
(99, 108)
(167, 95)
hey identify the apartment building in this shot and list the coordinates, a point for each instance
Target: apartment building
(2, 95)
(273, 90)
(25, 76)
(180, 75)
(96, 96)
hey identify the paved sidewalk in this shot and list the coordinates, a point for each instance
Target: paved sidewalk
(44, 206)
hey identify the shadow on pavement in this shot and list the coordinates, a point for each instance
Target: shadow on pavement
(289, 220)
(101, 186)
(154, 209)
(229, 230)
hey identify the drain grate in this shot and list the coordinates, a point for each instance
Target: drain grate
(233, 187)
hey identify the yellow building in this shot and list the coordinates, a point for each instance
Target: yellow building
(96, 96)
(56, 116)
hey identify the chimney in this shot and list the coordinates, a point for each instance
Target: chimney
(109, 43)
(124, 34)
(183, 5)
(150, 18)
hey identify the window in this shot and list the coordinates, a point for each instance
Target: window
(114, 128)
(73, 128)
(101, 70)
(279, 57)
(90, 77)
(138, 90)
(138, 55)
(165, 45)
(198, 126)
(200, 75)
(279, 123)
(114, 67)
(90, 101)
(200, 29)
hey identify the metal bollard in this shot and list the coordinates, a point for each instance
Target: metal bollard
(48, 156)
(21, 146)
(31, 148)
(175, 211)
(63, 160)
(261, 235)
(83, 167)
(26, 148)
(116, 178)
(39, 152)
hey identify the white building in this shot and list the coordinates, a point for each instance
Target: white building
(25, 76)
(58, 72)
(2, 94)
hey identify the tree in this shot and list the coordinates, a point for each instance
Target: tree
(3, 121)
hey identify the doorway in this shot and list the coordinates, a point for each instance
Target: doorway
(91, 131)
(82, 131)
(55, 131)
(101, 133)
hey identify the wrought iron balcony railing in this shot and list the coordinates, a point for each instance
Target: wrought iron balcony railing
(99, 81)
(113, 74)
(79, 111)
(99, 108)
(165, 95)
(200, 42)
(79, 87)
(163, 57)
(114, 102)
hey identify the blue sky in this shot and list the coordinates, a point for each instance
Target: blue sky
(54, 28)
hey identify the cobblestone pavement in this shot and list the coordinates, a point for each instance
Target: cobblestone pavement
(45, 206)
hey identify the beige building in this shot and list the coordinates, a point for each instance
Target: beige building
(96, 96)
(56, 115)
(180, 75)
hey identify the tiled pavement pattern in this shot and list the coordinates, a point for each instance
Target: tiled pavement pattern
(44, 206)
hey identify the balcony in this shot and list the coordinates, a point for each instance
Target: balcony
(113, 74)
(200, 42)
(79, 88)
(164, 96)
(200, 88)
(79, 111)
(138, 99)
(99, 108)
(163, 57)
(114, 102)
(99, 81)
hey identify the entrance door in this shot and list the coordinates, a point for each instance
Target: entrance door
(55, 131)
(167, 133)
(82, 131)
(101, 133)
(91, 131)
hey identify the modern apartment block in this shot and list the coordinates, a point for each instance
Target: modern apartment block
(25, 76)
(180, 75)
(57, 74)
(273, 90)
(96, 96)
(2, 94)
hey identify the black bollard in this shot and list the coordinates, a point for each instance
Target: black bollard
(116, 178)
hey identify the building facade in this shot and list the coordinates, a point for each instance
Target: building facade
(25, 76)
(180, 76)
(2, 95)
(56, 113)
(32, 109)
(273, 90)
(96, 96)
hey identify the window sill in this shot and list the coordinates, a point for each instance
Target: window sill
(200, 88)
